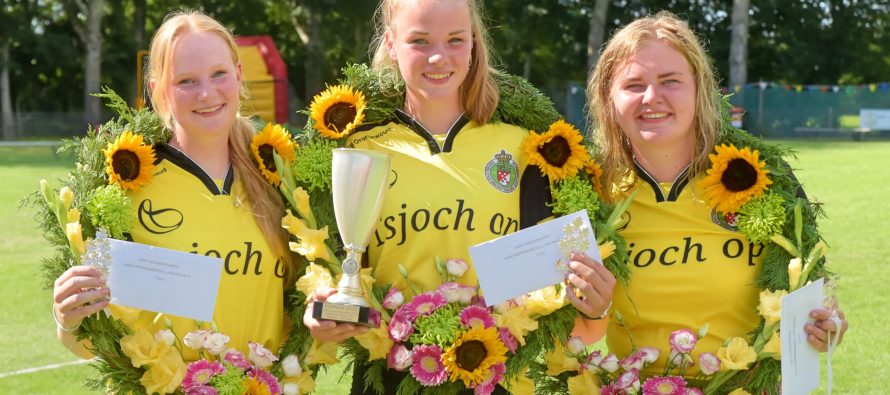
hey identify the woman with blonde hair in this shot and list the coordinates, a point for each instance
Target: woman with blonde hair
(695, 260)
(443, 197)
(205, 196)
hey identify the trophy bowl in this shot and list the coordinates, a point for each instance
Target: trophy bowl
(358, 181)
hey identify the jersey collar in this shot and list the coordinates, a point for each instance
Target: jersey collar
(405, 119)
(166, 152)
(676, 187)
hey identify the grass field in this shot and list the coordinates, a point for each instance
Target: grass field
(846, 176)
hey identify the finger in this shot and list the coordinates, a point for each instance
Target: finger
(820, 314)
(323, 293)
(75, 271)
(577, 302)
(595, 302)
(588, 278)
(74, 315)
(75, 285)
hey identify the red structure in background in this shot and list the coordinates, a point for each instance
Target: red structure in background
(276, 68)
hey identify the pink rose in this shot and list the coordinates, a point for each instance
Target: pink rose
(393, 299)
(710, 364)
(261, 356)
(683, 341)
(399, 358)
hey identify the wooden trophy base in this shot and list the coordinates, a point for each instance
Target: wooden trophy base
(341, 312)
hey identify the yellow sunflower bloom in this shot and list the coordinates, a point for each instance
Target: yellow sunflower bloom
(337, 111)
(473, 353)
(595, 172)
(273, 138)
(558, 152)
(129, 162)
(735, 177)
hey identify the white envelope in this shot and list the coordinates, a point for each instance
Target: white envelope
(800, 361)
(526, 261)
(163, 280)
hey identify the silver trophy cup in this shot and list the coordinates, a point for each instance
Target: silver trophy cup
(358, 182)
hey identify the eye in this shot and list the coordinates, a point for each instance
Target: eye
(185, 81)
(671, 82)
(635, 87)
(456, 40)
(418, 41)
(219, 73)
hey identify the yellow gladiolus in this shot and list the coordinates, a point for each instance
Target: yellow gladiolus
(322, 353)
(773, 347)
(166, 374)
(73, 215)
(739, 391)
(585, 383)
(75, 238)
(771, 305)
(545, 301)
(301, 197)
(376, 341)
(304, 382)
(557, 361)
(736, 354)
(141, 347)
(316, 277)
(517, 322)
(794, 268)
(66, 195)
(520, 384)
(607, 249)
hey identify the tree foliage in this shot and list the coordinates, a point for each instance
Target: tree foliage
(800, 41)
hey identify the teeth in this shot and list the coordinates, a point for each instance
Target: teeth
(654, 115)
(208, 110)
(438, 76)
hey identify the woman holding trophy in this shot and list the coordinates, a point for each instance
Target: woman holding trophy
(456, 179)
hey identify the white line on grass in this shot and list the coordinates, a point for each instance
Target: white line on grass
(47, 367)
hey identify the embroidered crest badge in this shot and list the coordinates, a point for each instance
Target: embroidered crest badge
(502, 172)
(726, 221)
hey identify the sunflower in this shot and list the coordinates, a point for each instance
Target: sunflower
(337, 111)
(594, 171)
(129, 162)
(735, 177)
(558, 152)
(473, 354)
(273, 138)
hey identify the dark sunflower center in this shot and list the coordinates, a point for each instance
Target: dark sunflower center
(470, 354)
(739, 175)
(556, 152)
(339, 115)
(266, 155)
(125, 164)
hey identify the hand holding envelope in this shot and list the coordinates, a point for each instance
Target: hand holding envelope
(543, 255)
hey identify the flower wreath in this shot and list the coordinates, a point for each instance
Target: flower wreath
(752, 186)
(304, 179)
(134, 356)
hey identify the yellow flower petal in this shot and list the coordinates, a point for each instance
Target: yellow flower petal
(74, 232)
(517, 322)
(322, 353)
(272, 139)
(773, 347)
(770, 306)
(164, 375)
(316, 277)
(557, 361)
(585, 383)
(558, 152)
(376, 341)
(495, 353)
(736, 355)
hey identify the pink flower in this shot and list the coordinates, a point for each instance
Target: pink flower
(471, 316)
(201, 390)
(399, 358)
(268, 379)
(427, 365)
(629, 380)
(609, 363)
(630, 362)
(710, 363)
(649, 354)
(374, 318)
(400, 327)
(195, 339)
(683, 341)
(610, 389)
(676, 358)
(592, 363)
(694, 391)
(456, 267)
(260, 355)
(200, 372)
(491, 380)
(671, 385)
(508, 339)
(236, 358)
(424, 304)
(575, 345)
(457, 293)
(393, 299)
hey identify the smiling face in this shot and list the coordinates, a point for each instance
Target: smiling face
(654, 99)
(204, 85)
(432, 43)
